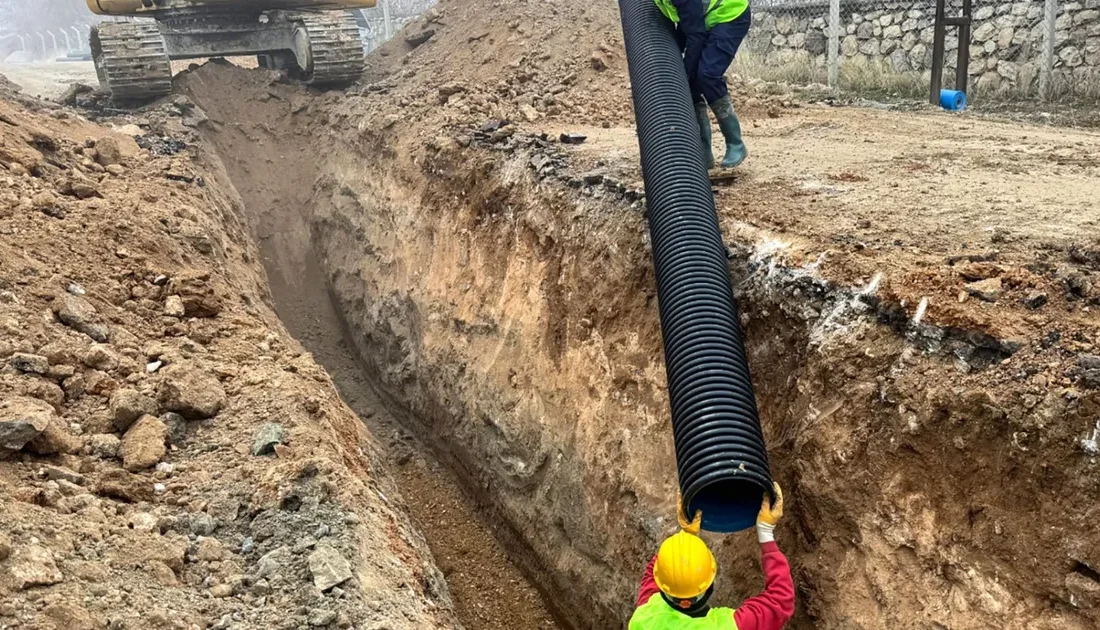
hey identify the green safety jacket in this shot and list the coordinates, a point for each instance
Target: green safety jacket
(656, 614)
(718, 11)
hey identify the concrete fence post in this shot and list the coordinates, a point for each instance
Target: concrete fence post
(1046, 65)
(833, 59)
(386, 19)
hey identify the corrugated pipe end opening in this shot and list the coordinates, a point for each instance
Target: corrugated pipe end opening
(728, 505)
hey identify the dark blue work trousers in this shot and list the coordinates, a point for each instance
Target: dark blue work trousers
(708, 78)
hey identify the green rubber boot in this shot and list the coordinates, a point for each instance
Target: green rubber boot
(731, 131)
(702, 115)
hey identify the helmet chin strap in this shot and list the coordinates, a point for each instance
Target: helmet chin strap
(697, 607)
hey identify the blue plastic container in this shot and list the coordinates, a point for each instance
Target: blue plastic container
(953, 100)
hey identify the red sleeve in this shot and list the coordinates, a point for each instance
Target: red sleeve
(649, 585)
(775, 606)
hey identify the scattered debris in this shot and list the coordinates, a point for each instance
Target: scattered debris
(266, 438)
(988, 289)
(328, 567)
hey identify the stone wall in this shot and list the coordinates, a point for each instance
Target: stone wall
(1005, 48)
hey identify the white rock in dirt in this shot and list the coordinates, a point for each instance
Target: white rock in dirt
(173, 306)
(33, 565)
(79, 314)
(190, 392)
(127, 405)
(328, 567)
(530, 113)
(21, 420)
(144, 444)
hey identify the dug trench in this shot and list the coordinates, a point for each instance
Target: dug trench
(510, 325)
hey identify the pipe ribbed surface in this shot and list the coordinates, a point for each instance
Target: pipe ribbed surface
(720, 454)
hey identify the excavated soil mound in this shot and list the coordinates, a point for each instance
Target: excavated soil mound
(169, 456)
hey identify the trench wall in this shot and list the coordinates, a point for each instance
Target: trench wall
(513, 323)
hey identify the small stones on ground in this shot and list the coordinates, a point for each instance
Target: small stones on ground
(266, 438)
(273, 562)
(108, 151)
(328, 567)
(61, 473)
(418, 38)
(144, 444)
(53, 440)
(190, 392)
(100, 357)
(1087, 371)
(33, 363)
(209, 550)
(21, 420)
(988, 289)
(33, 565)
(572, 138)
(221, 591)
(79, 314)
(321, 618)
(173, 306)
(177, 427)
(119, 484)
(1035, 300)
(127, 405)
(5, 547)
(104, 445)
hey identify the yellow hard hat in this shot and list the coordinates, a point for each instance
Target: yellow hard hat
(685, 568)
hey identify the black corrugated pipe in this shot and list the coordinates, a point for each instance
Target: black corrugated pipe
(720, 453)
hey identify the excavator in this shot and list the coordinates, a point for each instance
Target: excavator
(316, 41)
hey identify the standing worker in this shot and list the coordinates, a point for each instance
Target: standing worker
(679, 581)
(709, 33)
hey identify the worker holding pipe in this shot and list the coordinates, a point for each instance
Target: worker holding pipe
(709, 33)
(678, 582)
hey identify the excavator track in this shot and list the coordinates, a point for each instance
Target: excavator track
(131, 60)
(336, 52)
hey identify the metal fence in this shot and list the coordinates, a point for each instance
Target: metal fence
(1017, 49)
(387, 18)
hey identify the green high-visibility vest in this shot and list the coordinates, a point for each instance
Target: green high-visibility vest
(718, 11)
(656, 614)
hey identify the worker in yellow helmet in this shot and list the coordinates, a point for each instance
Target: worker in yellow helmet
(676, 588)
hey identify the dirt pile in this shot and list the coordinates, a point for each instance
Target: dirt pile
(936, 432)
(169, 456)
